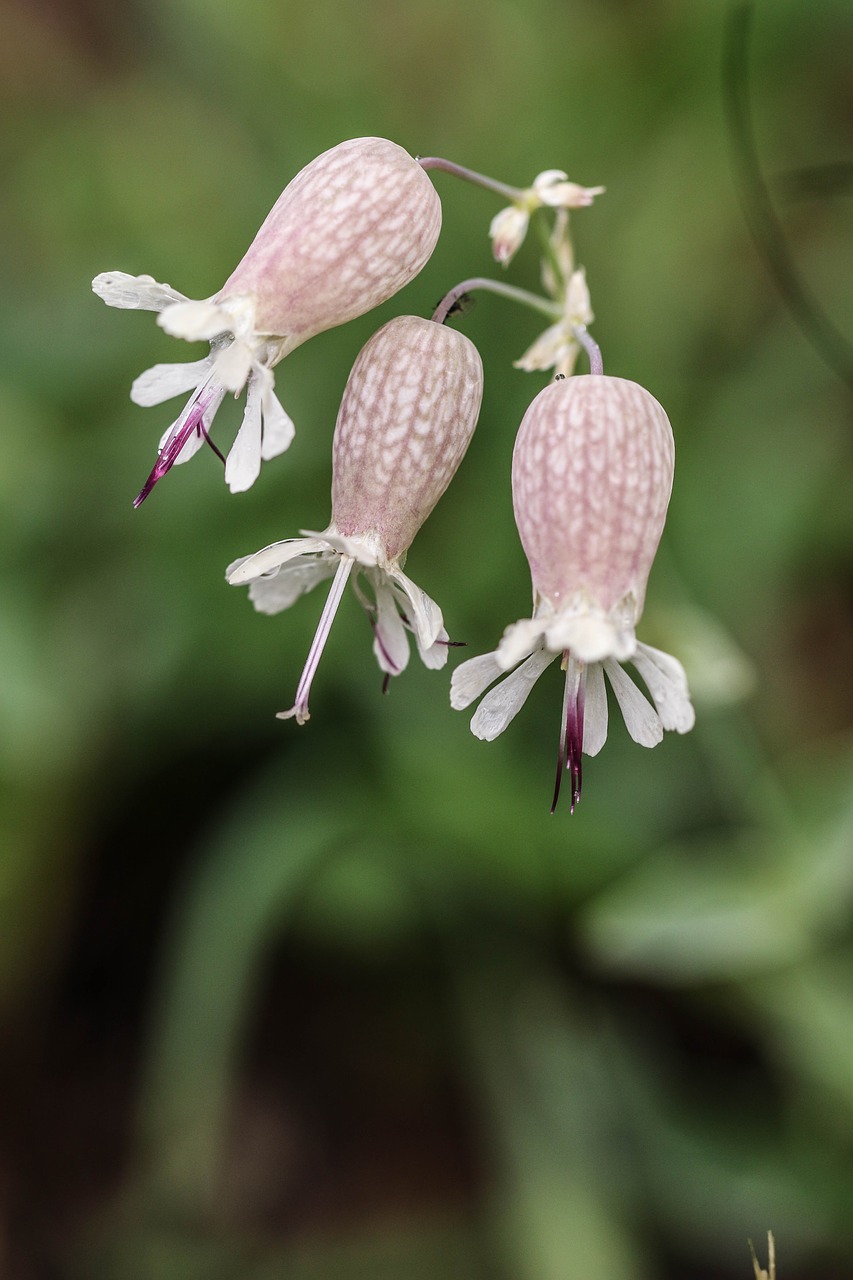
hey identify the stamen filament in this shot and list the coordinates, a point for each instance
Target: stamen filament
(571, 729)
(191, 420)
(321, 635)
(551, 309)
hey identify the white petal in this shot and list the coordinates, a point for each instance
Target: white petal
(243, 464)
(422, 612)
(233, 365)
(194, 321)
(550, 348)
(360, 547)
(505, 701)
(138, 293)
(595, 710)
(278, 591)
(641, 719)
(507, 231)
(547, 178)
(518, 641)
(435, 657)
(164, 381)
(278, 427)
(590, 636)
(472, 678)
(390, 643)
(272, 557)
(667, 683)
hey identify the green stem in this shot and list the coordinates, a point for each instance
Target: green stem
(544, 233)
(551, 309)
(468, 175)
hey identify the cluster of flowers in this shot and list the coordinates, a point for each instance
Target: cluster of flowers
(592, 467)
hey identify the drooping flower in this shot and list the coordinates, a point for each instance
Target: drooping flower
(592, 475)
(552, 188)
(407, 415)
(351, 229)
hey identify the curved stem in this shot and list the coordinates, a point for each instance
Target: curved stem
(590, 346)
(468, 175)
(551, 309)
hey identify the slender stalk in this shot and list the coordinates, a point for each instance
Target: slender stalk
(551, 309)
(468, 175)
(321, 635)
(544, 233)
(590, 346)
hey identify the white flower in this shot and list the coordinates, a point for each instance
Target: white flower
(552, 188)
(558, 348)
(592, 475)
(351, 229)
(407, 414)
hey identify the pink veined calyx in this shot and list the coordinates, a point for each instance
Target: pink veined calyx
(352, 228)
(592, 475)
(407, 415)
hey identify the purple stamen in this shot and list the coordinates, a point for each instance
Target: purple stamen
(571, 730)
(192, 420)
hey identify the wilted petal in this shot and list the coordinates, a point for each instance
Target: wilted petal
(164, 381)
(667, 683)
(641, 720)
(595, 710)
(505, 701)
(142, 293)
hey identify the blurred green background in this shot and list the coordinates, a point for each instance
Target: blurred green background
(346, 1001)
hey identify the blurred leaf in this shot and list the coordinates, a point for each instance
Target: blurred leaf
(242, 892)
(719, 911)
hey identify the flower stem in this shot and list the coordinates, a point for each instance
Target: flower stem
(590, 346)
(480, 180)
(321, 635)
(550, 309)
